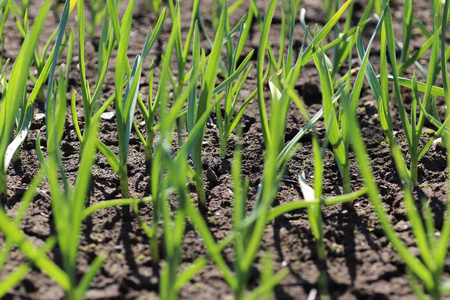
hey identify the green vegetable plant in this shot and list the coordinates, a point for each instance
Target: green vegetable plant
(205, 69)
(181, 51)
(428, 269)
(407, 58)
(432, 248)
(25, 114)
(313, 198)
(174, 221)
(154, 5)
(235, 75)
(288, 73)
(338, 135)
(91, 106)
(229, 120)
(339, 142)
(169, 174)
(197, 106)
(68, 204)
(41, 55)
(412, 125)
(98, 12)
(155, 168)
(246, 234)
(36, 256)
(315, 214)
(14, 234)
(150, 111)
(17, 114)
(42, 63)
(343, 43)
(4, 13)
(125, 101)
(337, 129)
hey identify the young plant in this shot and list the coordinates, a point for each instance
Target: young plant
(432, 249)
(41, 55)
(4, 13)
(289, 73)
(315, 215)
(154, 5)
(234, 75)
(169, 173)
(125, 101)
(409, 18)
(91, 106)
(313, 200)
(150, 111)
(12, 110)
(247, 235)
(339, 142)
(337, 127)
(413, 125)
(14, 277)
(247, 232)
(26, 110)
(196, 108)
(249, 228)
(408, 8)
(156, 171)
(98, 12)
(68, 204)
(228, 122)
(174, 222)
(182, 52)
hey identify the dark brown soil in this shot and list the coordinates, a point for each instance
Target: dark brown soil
(361, 263)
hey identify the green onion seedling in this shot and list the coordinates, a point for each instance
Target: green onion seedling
(167, 122)
(125, 101)
(433, 250)
(174, 222)
(182, 52)
(413, 125)
(228, 121)
(246, 235)
(149, 112)
(67, 205)
(337, 126)
(4, 12)
(98, 12)
(196, 108)
(154, 5)
(11, 110)
(290, 74)
(91, 106)
(315, 217)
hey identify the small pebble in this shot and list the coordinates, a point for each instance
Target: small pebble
(107, 115)
(39, 116)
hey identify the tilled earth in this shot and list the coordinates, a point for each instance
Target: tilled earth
(361, 263)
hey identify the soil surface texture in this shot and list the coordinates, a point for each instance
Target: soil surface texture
(360, 261)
